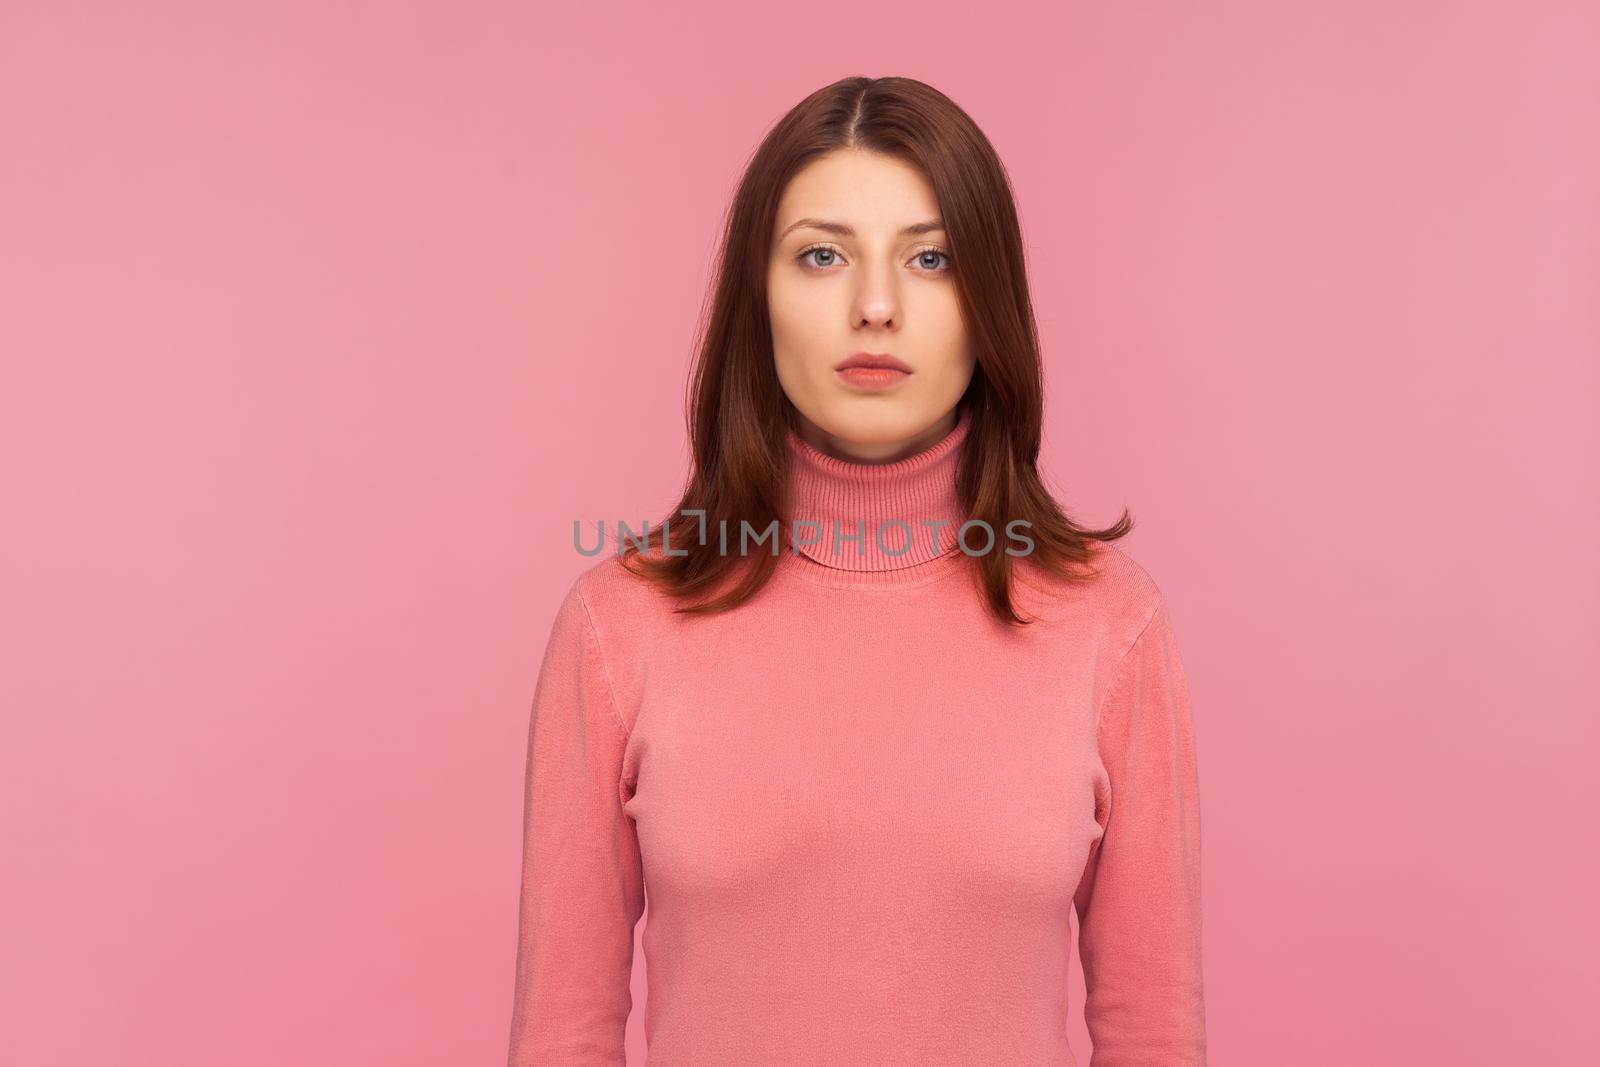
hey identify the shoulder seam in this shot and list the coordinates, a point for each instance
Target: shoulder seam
(1123, 661)
(605, 672)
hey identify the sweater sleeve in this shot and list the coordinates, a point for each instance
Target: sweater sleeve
(582, 888)
(1138, 902)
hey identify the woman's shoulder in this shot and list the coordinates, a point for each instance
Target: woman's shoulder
(1111, 590)
(608, 585)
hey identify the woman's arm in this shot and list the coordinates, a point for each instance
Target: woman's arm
(1139, 901)
(582, 877)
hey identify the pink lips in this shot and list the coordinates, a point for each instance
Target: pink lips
(872, 370)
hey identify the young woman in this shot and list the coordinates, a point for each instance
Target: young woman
(868, 766)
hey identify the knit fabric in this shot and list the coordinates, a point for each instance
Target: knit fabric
(878, 517)
(864, 809)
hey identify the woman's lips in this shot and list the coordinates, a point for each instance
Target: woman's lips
(873, 377)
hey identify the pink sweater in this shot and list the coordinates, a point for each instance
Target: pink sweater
(864, 809)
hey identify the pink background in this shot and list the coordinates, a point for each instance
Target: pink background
(322, 323)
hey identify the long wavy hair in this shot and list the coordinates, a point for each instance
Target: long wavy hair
(738, 414)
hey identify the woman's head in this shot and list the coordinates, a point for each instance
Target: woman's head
(874, 156)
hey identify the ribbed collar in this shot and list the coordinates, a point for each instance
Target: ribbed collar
(860, 514)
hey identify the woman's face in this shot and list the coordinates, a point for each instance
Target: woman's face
(856, 267)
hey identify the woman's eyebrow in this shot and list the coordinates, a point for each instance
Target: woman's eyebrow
(840, 229)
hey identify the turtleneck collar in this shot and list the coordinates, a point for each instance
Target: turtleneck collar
(860, 514)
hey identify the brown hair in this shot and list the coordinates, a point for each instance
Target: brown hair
(738, 413)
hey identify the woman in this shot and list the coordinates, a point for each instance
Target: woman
(869, 766)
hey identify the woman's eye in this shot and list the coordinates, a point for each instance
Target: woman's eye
(935, 254)
(819, 251)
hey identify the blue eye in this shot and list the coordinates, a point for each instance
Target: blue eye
(823, 249)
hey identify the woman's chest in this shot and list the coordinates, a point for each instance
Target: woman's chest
(839, 755)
